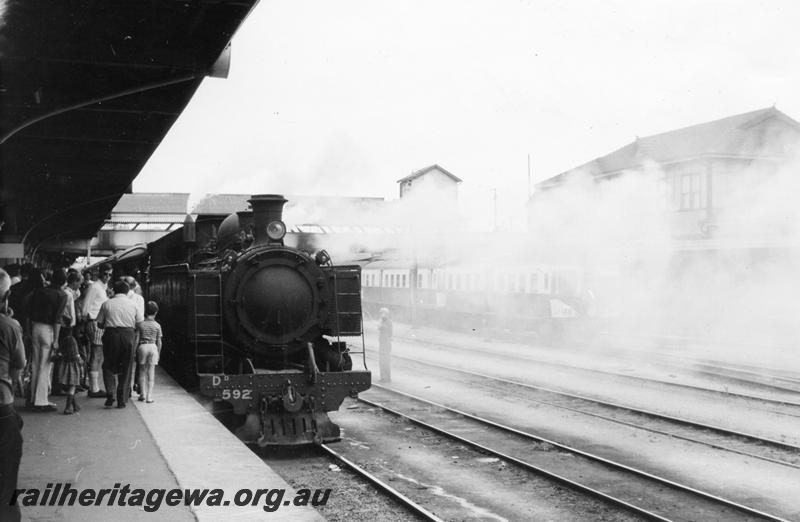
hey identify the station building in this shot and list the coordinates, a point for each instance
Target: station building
(709, 176)
(702, 233)
(432, 180)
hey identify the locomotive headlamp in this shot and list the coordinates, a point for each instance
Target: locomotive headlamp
(276, 230)
(322, 258)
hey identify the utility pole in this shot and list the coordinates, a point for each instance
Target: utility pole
(529, 176)
(494, 208)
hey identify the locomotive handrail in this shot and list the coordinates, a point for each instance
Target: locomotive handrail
(336, 310)
(185, 266)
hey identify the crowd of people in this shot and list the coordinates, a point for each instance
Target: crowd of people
(81, 335)
(60, 331)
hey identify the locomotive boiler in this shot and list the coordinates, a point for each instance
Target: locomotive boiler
(256, 325)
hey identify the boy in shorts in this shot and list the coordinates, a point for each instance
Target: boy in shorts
(148, 350)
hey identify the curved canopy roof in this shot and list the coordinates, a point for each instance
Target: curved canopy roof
(88, 89)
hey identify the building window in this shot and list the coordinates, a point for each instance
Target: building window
(687, 191)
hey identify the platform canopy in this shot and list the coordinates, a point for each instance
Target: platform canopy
(88, 89)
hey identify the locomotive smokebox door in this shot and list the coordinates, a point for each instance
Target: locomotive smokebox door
(272, 300)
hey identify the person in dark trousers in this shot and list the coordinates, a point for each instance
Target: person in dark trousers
(385, 345)
(16, 298)
(118, 317)
(12, 360)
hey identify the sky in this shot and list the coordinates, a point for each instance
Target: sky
(347, 97)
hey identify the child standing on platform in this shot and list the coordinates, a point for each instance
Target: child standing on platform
(68, 373)
(148, 350)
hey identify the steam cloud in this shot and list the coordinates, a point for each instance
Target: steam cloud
(733, 290)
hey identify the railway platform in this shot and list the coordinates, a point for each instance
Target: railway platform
(173, 445)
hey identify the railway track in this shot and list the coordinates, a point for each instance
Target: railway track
(631, 489)
(766, 377)
(717, 437)
(772, 378)
(386, 489)
(759, 372)
(788, 407)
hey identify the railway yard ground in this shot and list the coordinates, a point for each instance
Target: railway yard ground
(469, 428)
(478, 429)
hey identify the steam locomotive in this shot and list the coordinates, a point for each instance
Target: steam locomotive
(256, 325)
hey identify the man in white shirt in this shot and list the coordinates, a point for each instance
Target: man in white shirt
(118, 317)
(95, 296)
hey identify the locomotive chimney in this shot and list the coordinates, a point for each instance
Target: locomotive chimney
(267, 208)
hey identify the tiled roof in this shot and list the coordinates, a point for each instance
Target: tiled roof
(420, 172)
(152, 203)
(305, 209)
(221, 204)
(738, 135)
